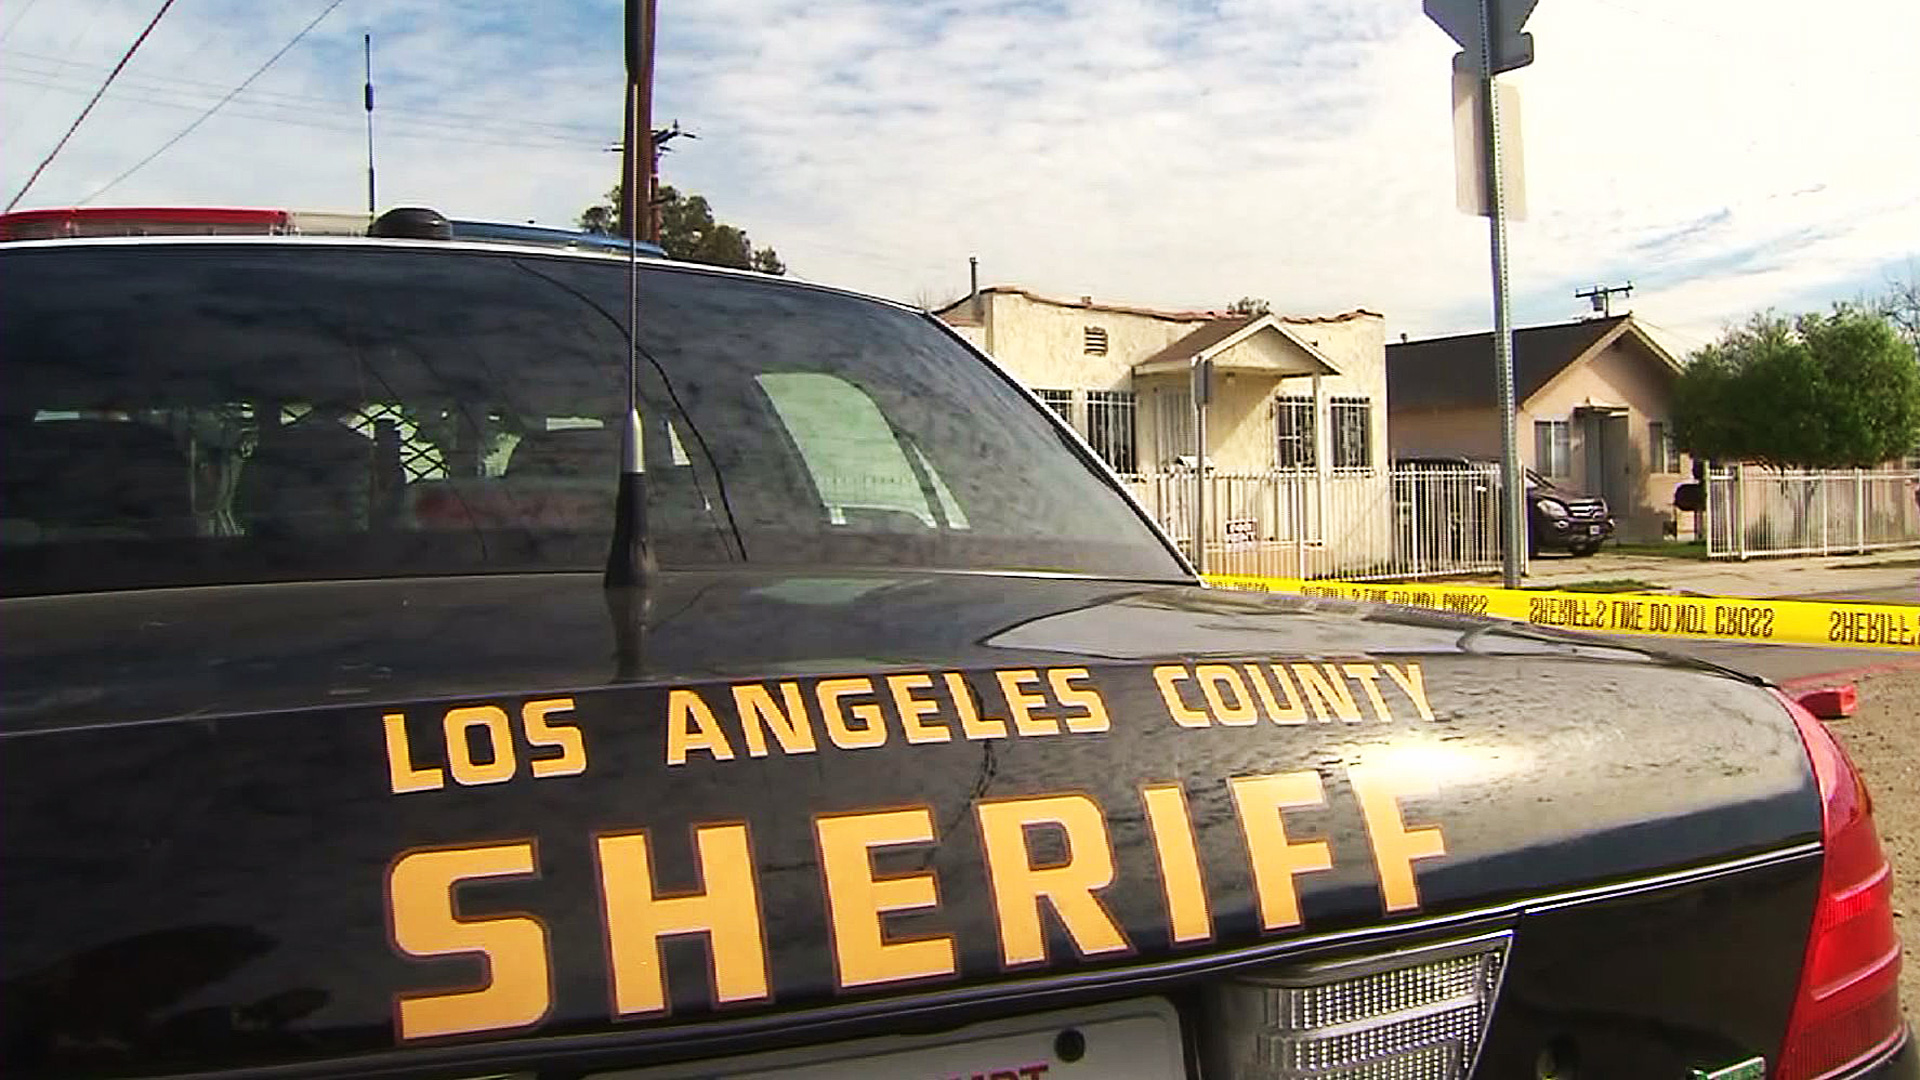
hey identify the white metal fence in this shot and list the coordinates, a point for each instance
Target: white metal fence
(1410, 522)
(1758, 511)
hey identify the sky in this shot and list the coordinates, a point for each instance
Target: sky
(1724, 156)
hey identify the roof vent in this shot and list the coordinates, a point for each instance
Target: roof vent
(411, 223)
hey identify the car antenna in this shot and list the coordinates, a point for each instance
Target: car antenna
(630, 559)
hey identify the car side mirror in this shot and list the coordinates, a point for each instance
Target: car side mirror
(1690, 497)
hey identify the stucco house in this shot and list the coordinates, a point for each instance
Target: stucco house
(1296, 429)
(1289, 392)
(1592, 400)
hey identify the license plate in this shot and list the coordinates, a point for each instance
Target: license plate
(1593, 530)
(1127, 1040)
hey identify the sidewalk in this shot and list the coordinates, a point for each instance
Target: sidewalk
(1897, 571)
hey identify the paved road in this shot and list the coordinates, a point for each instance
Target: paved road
(1783, 663)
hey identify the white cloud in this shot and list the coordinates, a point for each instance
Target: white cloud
(1726, 155)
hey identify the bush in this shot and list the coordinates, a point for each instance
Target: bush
(1830, 391)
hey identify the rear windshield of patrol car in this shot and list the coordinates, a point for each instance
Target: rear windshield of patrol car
(181, 414)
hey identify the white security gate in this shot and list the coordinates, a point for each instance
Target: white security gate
(1411, 522)
(1759, 511)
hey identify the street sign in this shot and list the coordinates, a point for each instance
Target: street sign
(1472, 193)
(1203, 382)
(1461, 20)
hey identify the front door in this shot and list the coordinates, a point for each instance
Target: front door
(1609, 459)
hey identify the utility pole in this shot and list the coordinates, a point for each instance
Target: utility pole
(1488, 32)
(661, 137)
(369, 98)
(1601, 296)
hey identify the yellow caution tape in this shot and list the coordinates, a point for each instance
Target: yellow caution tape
(1780, 622)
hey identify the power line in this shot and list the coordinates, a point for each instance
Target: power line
(215, 107)
(423, 128)
(91, 102)
(185, 96)
(331, 106)
(24, 8)
(62, 60)
(19, 58)
(1701, 342)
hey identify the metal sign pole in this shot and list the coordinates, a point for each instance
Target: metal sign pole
(1490, 37)
(1202, 390)
(1513, 554)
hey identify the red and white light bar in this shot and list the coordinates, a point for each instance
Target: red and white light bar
(73, 221)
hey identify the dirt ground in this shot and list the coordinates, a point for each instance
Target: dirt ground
(1883, 738)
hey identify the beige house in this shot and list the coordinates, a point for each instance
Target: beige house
(1295, 458)
(1593, 412)
(1289, 393)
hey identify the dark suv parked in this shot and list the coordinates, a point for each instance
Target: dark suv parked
(1557, 518)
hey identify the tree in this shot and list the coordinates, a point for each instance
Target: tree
(603, 217)
(1250, 305)
(928, 298)
(1901, 304)
(1820, 392)
(688, 231)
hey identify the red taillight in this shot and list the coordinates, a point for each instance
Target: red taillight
(1848, 1006)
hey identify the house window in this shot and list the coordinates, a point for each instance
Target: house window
(1110, 428)
(1293, 433)
(1660, 447)
(1096, 341)
(1352, 429)
(1174, 425)
(1060, 401)
(1553, 447)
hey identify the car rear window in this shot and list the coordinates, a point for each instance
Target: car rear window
(205, 413)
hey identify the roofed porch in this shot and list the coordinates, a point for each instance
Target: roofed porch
(1267, 407)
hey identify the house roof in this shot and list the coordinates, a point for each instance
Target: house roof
(1199, 341)
(1456, 372)
(1220, 335)
(957, 309)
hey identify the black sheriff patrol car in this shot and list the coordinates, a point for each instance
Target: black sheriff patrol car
(922, 755)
